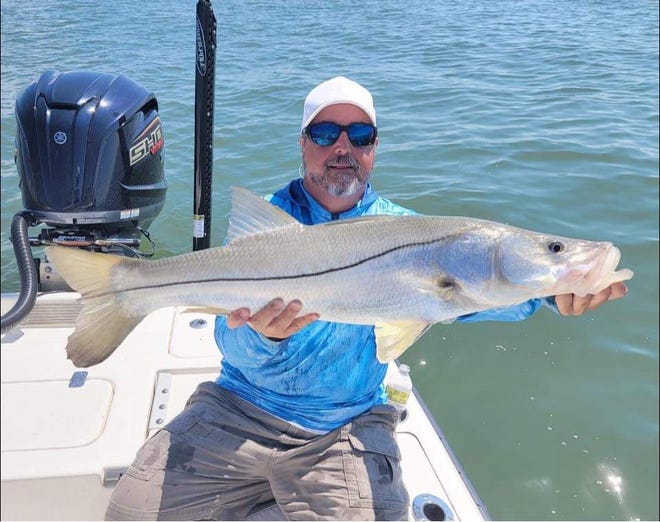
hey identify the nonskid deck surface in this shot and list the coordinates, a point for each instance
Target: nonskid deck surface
(85, 425)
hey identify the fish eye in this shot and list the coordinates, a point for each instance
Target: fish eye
(556, 247)
(445, 283)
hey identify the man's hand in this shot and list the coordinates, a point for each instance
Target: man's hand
(274, 320)
(571, 304)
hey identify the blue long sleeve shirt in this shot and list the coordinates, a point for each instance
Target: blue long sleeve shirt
(326, 374)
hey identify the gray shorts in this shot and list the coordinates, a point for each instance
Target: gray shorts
(223, 458)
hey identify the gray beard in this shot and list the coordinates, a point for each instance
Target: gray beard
(338, 185)
(345, 187)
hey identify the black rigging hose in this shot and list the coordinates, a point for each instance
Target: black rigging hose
(27, 271)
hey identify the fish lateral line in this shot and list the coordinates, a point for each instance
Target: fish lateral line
(277, 278)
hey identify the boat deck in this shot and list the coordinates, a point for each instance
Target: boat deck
(69, 433)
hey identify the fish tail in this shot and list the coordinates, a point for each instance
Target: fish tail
(102, 324)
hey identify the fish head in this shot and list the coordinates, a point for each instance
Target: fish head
(540, 265)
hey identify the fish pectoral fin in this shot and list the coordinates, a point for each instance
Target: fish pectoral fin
(395, 337)
(251, 214)
(204, 310)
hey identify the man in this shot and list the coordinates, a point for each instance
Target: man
(298, 413)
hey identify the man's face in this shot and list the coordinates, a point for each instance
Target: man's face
(336, 175)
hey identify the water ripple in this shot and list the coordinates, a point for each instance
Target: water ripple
(539, 114)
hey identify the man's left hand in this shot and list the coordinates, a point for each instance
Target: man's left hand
(571, 304)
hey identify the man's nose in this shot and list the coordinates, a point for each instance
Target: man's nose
(343, 143)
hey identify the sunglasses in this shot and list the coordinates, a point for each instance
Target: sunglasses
(326, 133)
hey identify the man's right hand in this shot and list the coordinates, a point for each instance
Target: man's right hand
(274, 320)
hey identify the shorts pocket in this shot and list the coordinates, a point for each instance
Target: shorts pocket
(373, 469)
(151, 457)
(154, 454)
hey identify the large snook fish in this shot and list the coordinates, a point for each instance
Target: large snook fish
(399, 273)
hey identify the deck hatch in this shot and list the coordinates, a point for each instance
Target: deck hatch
(40, 415)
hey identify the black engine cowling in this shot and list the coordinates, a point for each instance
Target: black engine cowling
(89, 152)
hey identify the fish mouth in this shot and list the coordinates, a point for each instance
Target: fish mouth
(595, 274)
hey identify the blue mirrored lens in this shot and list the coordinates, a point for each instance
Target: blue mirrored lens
(326, 133)
(361, 134)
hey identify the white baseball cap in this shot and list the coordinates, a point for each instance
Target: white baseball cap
(334, 91)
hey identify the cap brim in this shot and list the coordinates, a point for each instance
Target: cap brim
(314, 114)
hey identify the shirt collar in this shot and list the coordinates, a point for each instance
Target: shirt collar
(320, 213)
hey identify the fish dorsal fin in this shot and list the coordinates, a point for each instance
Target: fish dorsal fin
(251, 214)
(395, 337)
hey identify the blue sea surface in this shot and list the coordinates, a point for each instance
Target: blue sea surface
(539, 114)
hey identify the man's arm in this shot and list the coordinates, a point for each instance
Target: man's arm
(254, 345)
(277, 321)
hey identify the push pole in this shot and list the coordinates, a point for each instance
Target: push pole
(204, 106)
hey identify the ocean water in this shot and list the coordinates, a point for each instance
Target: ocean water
(539, 114)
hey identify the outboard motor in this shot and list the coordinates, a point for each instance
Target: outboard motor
(89, 158)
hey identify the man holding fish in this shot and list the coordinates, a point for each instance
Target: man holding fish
(298, 414)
